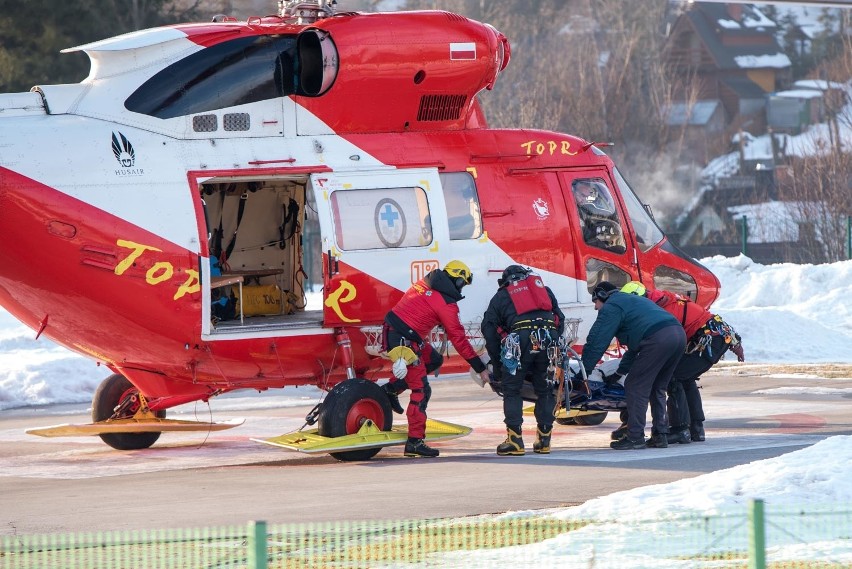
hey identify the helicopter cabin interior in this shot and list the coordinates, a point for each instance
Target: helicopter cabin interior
(258, 267)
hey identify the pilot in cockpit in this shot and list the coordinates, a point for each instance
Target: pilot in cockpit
(601, 226)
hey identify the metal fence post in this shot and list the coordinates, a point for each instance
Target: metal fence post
(757, 536)
(745, 236)
(257, 557)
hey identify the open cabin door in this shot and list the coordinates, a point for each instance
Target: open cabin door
(379, 235)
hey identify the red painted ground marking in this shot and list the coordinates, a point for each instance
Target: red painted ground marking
(791, 423)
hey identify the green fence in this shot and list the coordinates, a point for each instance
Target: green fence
(756, 537)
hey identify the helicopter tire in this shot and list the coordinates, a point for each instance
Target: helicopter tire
(110, 393)
(590, 420)
(345, 409)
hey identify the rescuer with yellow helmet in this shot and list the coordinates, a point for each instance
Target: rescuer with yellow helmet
(429, 302)
(708, 338)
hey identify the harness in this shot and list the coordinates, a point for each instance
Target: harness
(702, 339)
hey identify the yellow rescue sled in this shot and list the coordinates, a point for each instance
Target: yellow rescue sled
(148, 424)
(369, 436)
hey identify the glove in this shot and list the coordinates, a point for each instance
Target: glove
(485, 376)
(480, 378)
(400, 369)
(738, 350)
(613, 378)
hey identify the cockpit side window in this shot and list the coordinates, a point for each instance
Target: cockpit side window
(598, 215)
(648, 233)
(236, 72)
(463, 213)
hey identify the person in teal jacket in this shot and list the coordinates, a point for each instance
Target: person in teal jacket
(655, 341)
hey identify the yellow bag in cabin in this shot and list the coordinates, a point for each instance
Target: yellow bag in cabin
(261, 300)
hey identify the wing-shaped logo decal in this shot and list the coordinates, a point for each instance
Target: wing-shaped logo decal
(123, 151)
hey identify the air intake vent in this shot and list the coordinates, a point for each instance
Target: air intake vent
(204, 123)
(441, 107)
(236, 121)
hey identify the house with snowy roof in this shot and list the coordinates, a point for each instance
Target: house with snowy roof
(728, 53)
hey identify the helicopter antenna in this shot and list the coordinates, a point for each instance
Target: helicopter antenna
(305, 11)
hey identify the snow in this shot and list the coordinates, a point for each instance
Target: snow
(778, 61)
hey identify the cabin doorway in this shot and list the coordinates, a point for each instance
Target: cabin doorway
(264, 257)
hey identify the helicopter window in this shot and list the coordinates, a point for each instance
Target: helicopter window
(597, 271)
(601, 223)
(667, 278)
(463, 214)
(381, 219)
(236, 72)
(648, 233)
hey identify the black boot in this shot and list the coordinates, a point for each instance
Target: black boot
(618, 433)
(416, 448)
(679, 435)
(513, 445)
(658, 440)
(696, 429)
(393, 398)
(542, 440)
(626, 443)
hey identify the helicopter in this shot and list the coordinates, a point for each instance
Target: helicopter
(162, 214)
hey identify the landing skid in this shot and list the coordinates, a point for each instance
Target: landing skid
(147, 425)
(368, 436)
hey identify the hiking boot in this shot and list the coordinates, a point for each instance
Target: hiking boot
(658, 440)
(696, 430)
(618, 433)
(680, 437)
(542, 441)
(513, 445)
(626, 443)
(393, 398)
(416, 448)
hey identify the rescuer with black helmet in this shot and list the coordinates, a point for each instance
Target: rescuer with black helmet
(522, 321)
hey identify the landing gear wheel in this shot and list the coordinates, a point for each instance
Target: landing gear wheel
(115, 391)
(590, 420)
(345, 409)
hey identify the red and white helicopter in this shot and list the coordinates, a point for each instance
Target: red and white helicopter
(232, 140)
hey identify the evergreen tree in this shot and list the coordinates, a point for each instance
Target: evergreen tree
(34, 32)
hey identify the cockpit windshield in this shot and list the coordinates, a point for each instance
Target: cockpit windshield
(647, 231)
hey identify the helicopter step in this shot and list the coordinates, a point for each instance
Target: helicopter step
(147, 425)
(368, 436)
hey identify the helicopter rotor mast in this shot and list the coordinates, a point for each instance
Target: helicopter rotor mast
(305, 11)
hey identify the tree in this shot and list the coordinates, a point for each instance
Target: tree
(35, 31)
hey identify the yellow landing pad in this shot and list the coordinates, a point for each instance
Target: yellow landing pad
(562, 413)
(132, 426)
(368, 436)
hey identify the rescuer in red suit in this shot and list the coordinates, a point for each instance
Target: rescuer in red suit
(708, 338)
(430, 302)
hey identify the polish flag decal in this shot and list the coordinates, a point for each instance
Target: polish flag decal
(462, 51)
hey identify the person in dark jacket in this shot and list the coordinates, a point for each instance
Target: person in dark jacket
(431, 301)
(522, 321)
(708, 338)
(655, 341)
